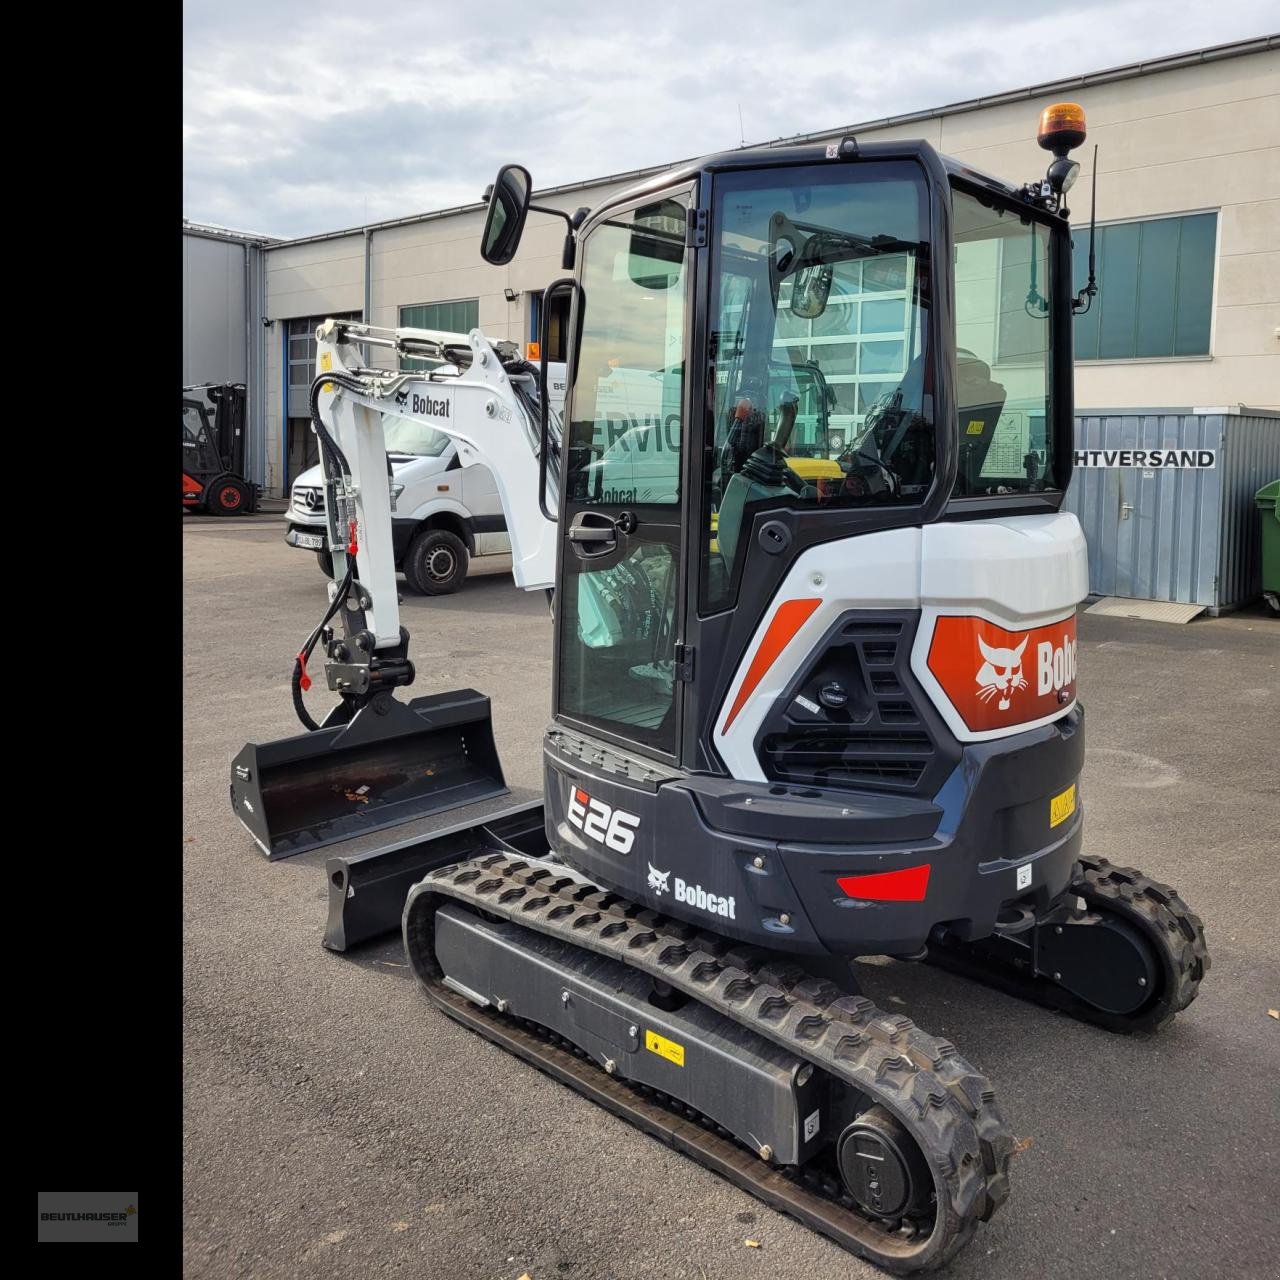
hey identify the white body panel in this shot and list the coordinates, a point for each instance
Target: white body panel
(1019, 572)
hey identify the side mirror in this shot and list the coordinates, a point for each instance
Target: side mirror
(810, 289)
(789, 250)
(508, 208)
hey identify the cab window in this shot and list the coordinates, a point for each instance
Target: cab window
(823, 394)
(1003, 289)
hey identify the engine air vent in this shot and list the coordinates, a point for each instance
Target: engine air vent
(849, 757)
(881, 652)
(882, 738)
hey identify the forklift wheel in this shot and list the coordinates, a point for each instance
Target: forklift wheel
(226, 496)
(436, 563)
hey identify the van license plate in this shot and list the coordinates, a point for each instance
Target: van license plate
(312, 541)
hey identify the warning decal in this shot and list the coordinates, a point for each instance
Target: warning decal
(663, 1047)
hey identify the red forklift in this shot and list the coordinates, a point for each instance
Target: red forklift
(213, 446)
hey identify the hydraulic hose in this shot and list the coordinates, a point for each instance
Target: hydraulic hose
(327, 442)
(300, 681)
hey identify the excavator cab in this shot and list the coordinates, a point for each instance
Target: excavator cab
(773, 352)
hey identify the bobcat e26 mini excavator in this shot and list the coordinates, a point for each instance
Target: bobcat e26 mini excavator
(801, 713)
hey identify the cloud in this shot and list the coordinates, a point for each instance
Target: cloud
(301, 118)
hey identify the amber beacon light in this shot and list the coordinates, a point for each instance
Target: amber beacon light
(1061, 127)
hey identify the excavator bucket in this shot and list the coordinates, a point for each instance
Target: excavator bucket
(391, 763)
(367, 891)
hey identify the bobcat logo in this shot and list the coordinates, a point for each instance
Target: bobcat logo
(402, 398)
(1001, 673)
(658, 880)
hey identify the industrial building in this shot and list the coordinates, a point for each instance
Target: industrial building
(1188, 206)
(224, 338)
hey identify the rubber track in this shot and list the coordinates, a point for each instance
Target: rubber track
(948, 1107)
(1174, 931)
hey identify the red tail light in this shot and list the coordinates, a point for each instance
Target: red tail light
(907, 885)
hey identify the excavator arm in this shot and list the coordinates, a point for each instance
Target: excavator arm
(375, 761)
(486, 402)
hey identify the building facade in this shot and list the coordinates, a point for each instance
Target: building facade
(1188, 246)
(223, 335)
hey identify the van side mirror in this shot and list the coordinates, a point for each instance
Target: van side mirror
(508, 208)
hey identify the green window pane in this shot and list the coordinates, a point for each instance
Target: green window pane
(1119, 319)
(1157, 286)
(870, 392)
(836, 357)
(846, 394)
(884, 317)
(881, 275)
(1156, 289)
(839, 318)
(789, 326)
(1195, 285)
(882, 357)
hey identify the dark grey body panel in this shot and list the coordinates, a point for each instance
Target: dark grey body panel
(759, 861)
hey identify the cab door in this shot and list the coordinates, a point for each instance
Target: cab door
(619, 598)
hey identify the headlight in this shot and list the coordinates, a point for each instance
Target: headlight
(396, 491)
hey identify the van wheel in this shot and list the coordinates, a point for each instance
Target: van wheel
(325, 560)
(436, 563)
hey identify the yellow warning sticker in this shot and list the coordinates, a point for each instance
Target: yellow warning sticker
(973, 429)
(326, 361)
(1062, 806)
(663, 1047)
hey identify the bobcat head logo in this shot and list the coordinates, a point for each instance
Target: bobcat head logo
(402, 398)
(658, 880)
(1001, 673)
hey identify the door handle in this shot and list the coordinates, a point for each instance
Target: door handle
(1125, 508)
(580, 533)
(593, 533)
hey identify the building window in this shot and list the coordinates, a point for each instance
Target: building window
(300, 337)
(459, 316)
(300, 446)
(1155, 288)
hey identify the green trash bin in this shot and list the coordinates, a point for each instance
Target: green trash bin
(1268, 500)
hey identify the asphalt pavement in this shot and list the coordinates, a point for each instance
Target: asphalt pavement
(337, 1125)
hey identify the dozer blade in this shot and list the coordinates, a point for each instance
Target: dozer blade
(391, 763)
(367, 891)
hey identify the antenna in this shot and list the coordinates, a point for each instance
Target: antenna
(1084, 299)
(742, 133)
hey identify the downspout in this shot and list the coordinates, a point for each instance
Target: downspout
(247, 426)
(258, 387)
(255, 361)
(368, 283)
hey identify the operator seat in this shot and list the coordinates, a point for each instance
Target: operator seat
(979, 403)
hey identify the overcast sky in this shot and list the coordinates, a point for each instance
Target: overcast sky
(310, 116)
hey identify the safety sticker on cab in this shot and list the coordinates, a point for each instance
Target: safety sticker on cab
(663, 1047)
(1062, 806)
